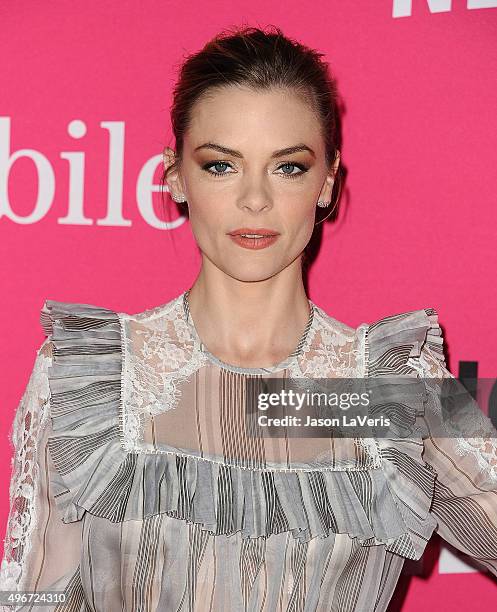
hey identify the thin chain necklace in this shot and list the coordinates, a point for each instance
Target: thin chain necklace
(298, 349)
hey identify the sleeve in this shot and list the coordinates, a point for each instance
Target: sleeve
(40, 551)
(465, 489)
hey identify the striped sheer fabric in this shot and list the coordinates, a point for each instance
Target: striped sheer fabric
(465, 490)
(135, 485)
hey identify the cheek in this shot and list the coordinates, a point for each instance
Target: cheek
(300, 221)
(207, 220)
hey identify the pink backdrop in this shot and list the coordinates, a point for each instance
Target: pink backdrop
(84, 116)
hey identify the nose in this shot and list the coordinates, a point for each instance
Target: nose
(255, 196)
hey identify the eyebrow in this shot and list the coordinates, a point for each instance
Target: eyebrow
(286, 151)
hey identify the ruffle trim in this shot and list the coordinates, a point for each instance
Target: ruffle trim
(393, 347)
(383, 506)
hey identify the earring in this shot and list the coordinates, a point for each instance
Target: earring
(178, 198)
(323, 204)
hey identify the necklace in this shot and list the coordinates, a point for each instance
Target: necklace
(294, 353)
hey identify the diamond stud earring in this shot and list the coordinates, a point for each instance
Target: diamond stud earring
(323, 204)
(178, 198)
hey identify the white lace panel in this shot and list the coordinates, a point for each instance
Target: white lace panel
(28, 422)
(335, 350)
(482, 448)
(176, 400)
(158, 355)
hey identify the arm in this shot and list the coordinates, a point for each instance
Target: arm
(40, 551)
(465, 492)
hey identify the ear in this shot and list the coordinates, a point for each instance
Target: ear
(327, 189)
(173, 177)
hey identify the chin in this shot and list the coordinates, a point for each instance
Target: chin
(252, 266)
(252, 273)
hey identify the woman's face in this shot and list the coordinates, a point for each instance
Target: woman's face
(235, 174)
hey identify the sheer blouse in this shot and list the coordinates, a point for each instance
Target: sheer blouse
(136, 486)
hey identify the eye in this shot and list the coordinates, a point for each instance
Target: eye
(219, 167)
(291, 166)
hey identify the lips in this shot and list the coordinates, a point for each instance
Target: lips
(254, 238)
(259, 231)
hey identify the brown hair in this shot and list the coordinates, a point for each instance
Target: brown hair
(260, 60)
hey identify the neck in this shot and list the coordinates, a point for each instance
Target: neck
(249, 324)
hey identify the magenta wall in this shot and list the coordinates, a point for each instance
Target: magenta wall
(85, 92)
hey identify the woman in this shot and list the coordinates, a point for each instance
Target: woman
(139, 484)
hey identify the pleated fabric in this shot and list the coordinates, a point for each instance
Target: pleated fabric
(148, 494)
